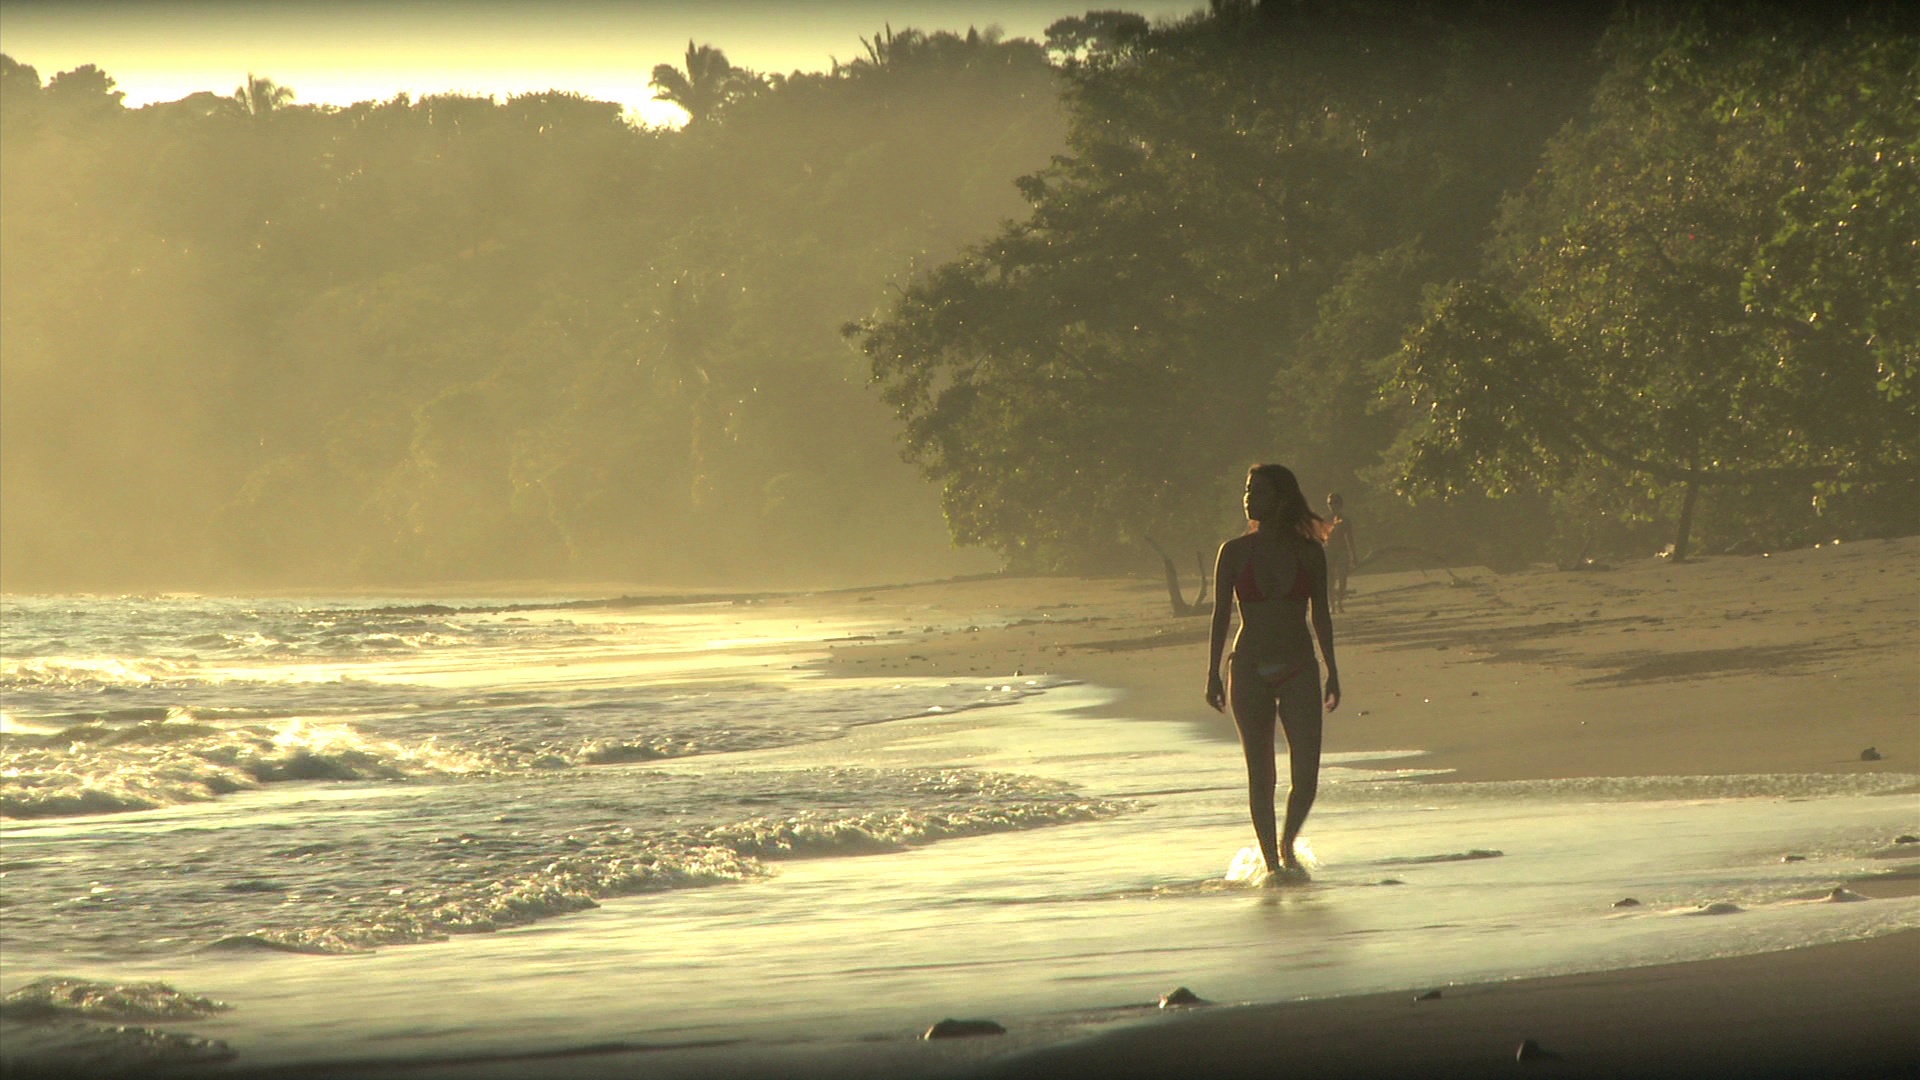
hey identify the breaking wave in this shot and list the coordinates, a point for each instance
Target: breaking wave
(92, 1000)
(97, 767)
(443, 861)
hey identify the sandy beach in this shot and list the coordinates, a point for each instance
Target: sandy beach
(1792, 664)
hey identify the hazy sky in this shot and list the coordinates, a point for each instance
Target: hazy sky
(342, 52)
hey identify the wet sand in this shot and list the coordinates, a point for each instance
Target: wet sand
(1841, 1010)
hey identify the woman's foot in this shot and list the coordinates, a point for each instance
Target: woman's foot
(1286, 875)
(1289, 869)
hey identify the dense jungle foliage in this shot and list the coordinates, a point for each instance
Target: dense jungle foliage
(1522, 281)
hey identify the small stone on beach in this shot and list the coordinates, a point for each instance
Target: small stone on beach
(1532, 1051)
(956, 1029)
(1179, 996)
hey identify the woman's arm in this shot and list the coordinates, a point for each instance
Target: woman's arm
(1316, 557)
(1222, 615)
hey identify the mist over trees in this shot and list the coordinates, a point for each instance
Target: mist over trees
(1520, 280)
(249, 341)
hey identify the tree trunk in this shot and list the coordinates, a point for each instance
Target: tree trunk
(1683, 533)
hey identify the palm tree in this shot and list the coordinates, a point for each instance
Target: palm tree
(708, 83)
(891, 51)
(260, 95)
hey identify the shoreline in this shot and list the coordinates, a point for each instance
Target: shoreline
(1651, 670)
(1551, 675)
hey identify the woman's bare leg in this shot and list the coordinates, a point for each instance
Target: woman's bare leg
(1300, 715)
(1253, 714)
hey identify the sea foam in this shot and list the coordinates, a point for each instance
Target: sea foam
(456, 858)
(94, 1000)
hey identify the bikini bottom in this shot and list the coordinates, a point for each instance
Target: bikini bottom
(1295, 685)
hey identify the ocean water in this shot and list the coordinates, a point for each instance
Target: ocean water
(262, 831)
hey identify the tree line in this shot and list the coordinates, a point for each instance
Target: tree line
(248, 341)
(1522, 281)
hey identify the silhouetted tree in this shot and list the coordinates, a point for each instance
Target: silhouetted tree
(1097, 33)
(86, 91)
(707, 85)
(20, 92)
(261, 96)
(17, 78)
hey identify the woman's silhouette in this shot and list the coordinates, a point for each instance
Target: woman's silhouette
(1276, 572)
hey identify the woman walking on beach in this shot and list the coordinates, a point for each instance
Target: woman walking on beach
(1276, 572)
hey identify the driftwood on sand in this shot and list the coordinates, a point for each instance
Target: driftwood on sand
(1181, 608)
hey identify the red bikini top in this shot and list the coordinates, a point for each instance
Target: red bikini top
(1248, 589)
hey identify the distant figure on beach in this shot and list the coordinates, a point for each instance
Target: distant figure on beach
(1342, 553)
(1276, 572)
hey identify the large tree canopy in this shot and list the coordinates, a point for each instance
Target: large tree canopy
(1250, 206)
(1710, 283)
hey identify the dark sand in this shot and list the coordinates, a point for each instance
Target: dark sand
(1851, 1009)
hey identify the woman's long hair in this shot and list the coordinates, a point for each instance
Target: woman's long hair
(1293, 512)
